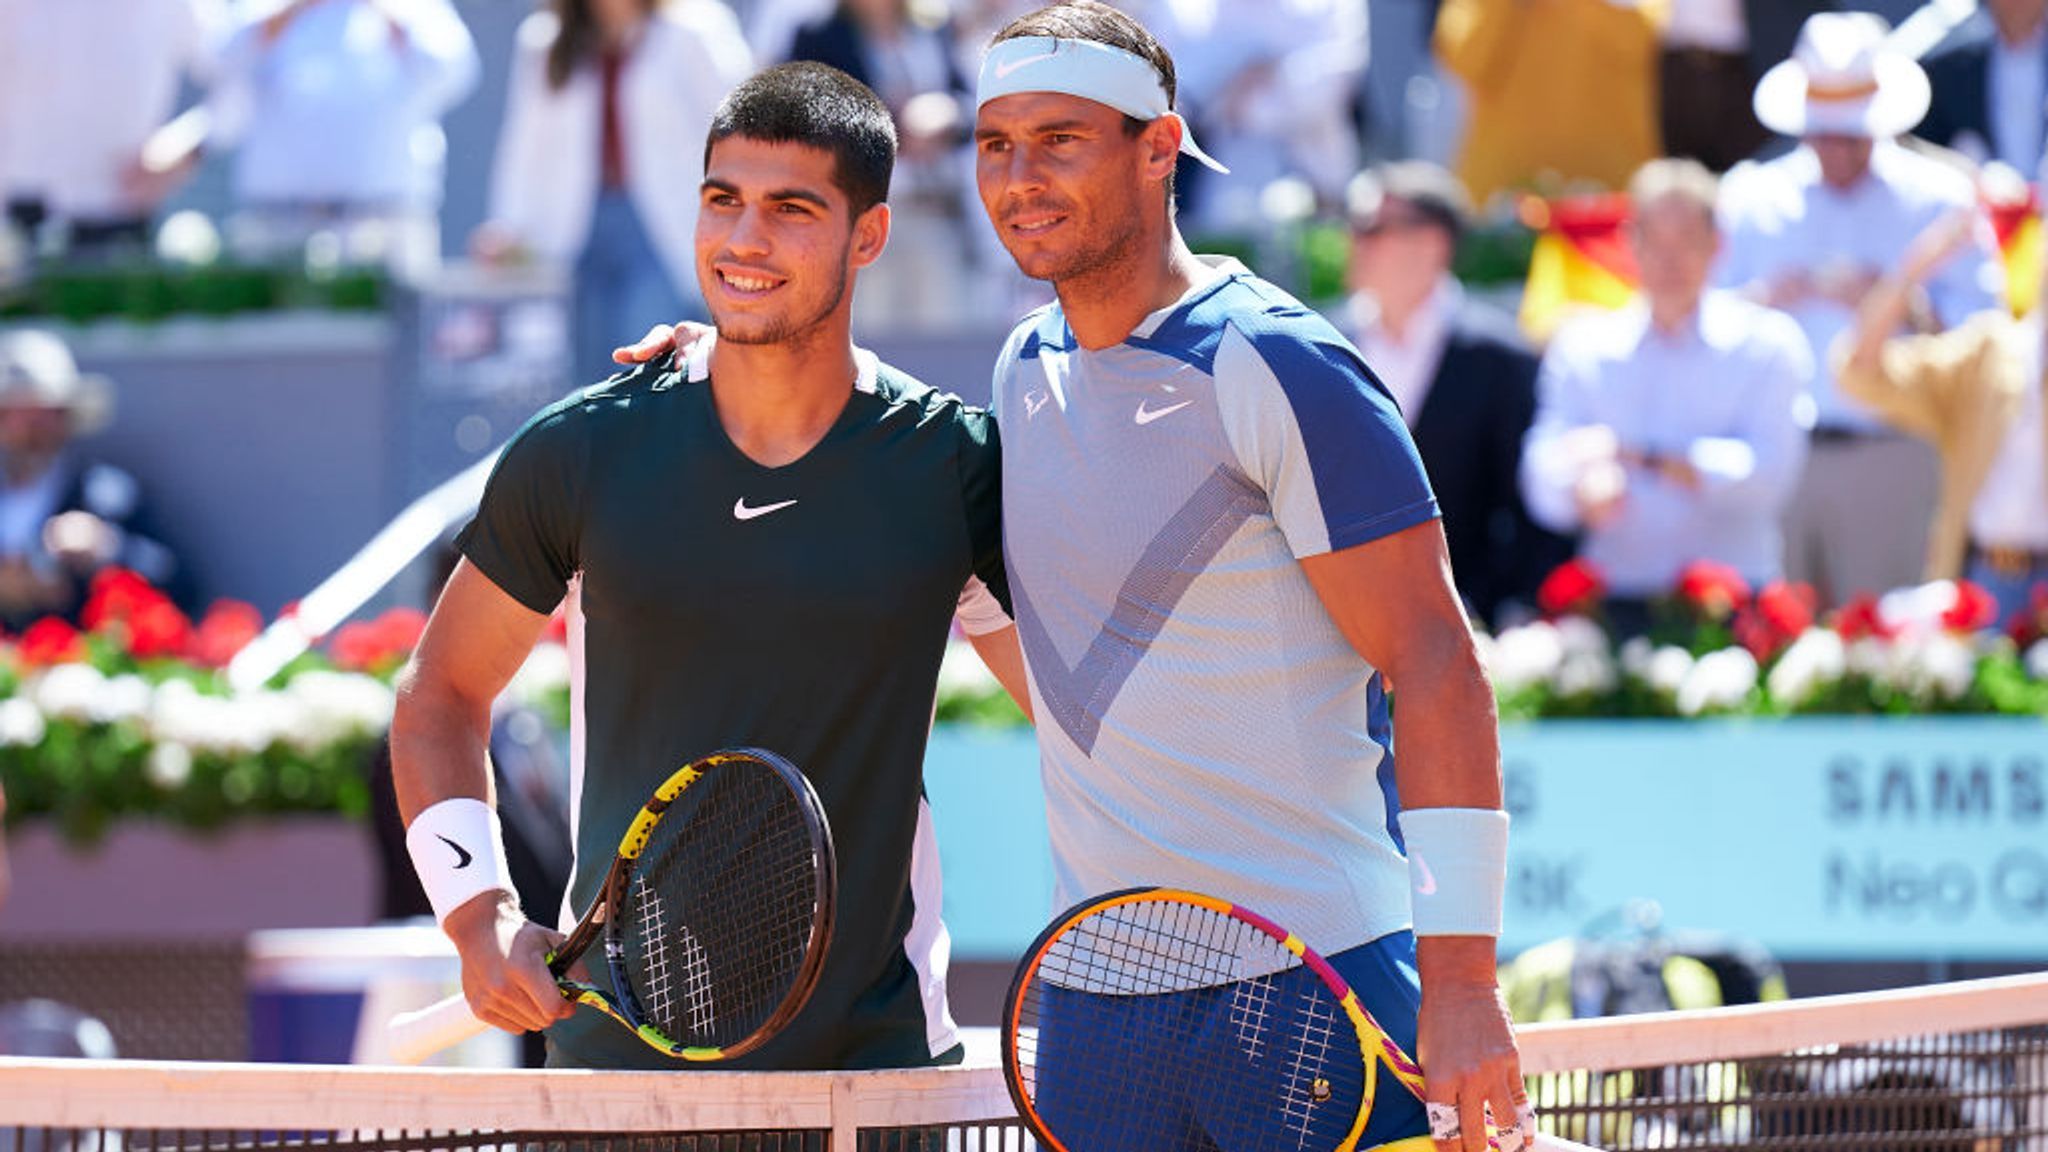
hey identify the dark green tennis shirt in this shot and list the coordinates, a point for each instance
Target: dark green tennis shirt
(803, 609)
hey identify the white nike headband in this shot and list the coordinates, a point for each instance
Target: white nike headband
(1093, 71)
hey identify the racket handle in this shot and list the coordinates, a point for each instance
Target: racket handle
(415, 1036)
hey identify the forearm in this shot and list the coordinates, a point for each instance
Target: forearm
(439, 745)
(1446, 730)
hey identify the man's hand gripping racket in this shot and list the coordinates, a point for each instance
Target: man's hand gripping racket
(715, 917)
(1157, 1020)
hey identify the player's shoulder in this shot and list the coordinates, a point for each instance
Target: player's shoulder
(902, 393)
(1252, 324)
(593, 410)
(1043, 327)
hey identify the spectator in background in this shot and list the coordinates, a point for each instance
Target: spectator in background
(1714, 53)
(83, 86)
(1269, 86)
(1809, 233)
(1974, 392)
(1672, 430)
(333, 109)
(63, 516)
(595, 169)
(1989, 84)
(926, 277)
(1561, 91)
(1464, 378)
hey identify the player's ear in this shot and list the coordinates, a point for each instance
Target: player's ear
(870, 236)
(1161, 139)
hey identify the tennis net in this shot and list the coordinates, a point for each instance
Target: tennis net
(1959, 1067)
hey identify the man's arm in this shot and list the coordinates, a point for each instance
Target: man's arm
(1394, 601)
(1004, 656)
(475, 640)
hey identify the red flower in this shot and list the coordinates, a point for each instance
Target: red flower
(158, 629)
(1859, 619)
(1712, 589)
(558, 627)
(1575, 586)
(1974, 608)
(378, 645)
(115, 594)
(226, 629)
(51, 641)
(2031, 623)
(400, 629)
(1777, 617)
(356, 646)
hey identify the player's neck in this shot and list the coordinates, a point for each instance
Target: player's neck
(1107, 305)
(776, 401)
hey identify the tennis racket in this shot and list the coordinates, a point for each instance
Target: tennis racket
(715, 916)
(1160, 1020)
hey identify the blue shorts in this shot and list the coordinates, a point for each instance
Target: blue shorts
(1203, 1065)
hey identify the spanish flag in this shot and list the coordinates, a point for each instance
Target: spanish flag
(2016, 219)
(1581, 259)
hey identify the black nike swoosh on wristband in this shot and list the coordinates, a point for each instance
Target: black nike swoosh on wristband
(459, 850)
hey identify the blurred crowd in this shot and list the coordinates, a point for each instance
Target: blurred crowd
(1815, 371)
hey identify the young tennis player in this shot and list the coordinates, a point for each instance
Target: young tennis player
(764, 546)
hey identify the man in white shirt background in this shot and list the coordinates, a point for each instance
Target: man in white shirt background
(1809, 233)
(1463, 376)
(1674, 429)
(83, 86)
(333, 108)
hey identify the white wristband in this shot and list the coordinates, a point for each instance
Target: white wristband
(1457, 869)
(458, 849)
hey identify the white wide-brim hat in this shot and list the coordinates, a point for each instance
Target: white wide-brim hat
(37, 371)
(1843, 80)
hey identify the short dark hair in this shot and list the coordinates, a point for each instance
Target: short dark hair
(1435, 193)
(820, 107)
(1092, 20)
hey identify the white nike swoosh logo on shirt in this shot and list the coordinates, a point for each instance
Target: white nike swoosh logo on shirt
(1146, 417)
(740, 511)
(1009, 66)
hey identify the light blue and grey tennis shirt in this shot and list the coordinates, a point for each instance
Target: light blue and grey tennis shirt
(1202, 722)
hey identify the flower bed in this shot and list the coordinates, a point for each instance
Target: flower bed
(1715, 648)
(129, 715)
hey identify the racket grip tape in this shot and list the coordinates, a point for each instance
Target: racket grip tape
(415, 1036)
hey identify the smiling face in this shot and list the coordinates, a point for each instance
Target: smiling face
(777, 246)
(1065, 184)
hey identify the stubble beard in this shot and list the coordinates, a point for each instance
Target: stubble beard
(790, 329)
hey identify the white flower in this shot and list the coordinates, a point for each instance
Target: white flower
(169, 765)
(1635, 656)
(1585, 674)
(68, 691)
(319, 709)
(1526, 656)
(182, 714)
(1581, 637)
(1816, 659)
(21, 723)
(1667, 669)
(1872, 658)
(2037, 660)
(125, 697)
(1937, 665)
(1720, 679)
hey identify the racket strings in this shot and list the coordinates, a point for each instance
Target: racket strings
(1163, 1024)
(725, 900)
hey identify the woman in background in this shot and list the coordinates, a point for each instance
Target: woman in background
(596, 168)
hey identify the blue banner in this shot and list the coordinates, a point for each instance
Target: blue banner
(1856, 838)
